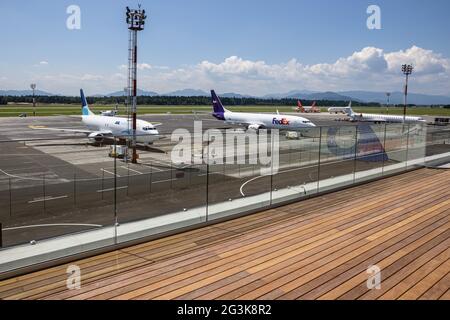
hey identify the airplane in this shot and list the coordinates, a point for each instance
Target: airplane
(380, 118)
(307, 109)
(257, 121)
(102, 128)
(337, 110)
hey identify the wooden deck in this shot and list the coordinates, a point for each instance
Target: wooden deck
(315, 249)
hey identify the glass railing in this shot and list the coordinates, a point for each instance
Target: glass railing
(62, 196)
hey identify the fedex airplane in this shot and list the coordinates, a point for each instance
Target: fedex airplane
(101, 127)
(380, 118)
(256, 121)
(307, 109)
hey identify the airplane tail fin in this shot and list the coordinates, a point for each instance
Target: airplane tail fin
(299, 106)
(85, 111)
(217, 104)
(348, 110)
(314, 104)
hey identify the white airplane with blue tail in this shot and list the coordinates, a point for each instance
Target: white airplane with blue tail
(101, 128)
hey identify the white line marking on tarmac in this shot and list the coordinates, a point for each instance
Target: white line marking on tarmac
(132, 170)
(111, 173)
(284, 171)
(55, 225)
(165, 181)
(246, 182)
(26, 178)
(112, 189)
(47, 199)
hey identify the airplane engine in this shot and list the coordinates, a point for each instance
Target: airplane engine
(96, 137)
(255, 127)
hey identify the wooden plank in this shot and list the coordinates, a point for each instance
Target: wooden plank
(390, 280)
(403, 286)
(438, 290)
(427, 282)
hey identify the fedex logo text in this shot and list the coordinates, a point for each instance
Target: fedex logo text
(283, 121)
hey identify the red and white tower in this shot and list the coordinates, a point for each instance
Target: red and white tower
(136, 22)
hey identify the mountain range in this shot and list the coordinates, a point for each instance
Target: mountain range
(25, 93)
(359, 96)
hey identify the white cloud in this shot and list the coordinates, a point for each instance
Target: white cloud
(367, 69)
(43, 63)
(140, 66)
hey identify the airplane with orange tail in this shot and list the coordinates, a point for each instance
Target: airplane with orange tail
(307, 109)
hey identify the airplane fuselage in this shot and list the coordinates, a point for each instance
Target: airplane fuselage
(367, 117)
(265, 121)
(118, 126)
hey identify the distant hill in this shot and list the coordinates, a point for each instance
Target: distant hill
(332, 96)
(234, 95)
(187, 93)
(294, 93)
(18, 93)
(122, 93)
(397, 97)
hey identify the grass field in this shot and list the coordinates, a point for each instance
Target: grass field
(12, 110)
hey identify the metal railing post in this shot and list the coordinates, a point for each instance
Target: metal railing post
(75, 189)
(407, 147)
(103, 183)
(43, 187)
(384, 149)
(10, 199)
(318, 161)
(356, 153)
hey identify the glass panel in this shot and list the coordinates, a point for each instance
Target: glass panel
(155, 196)
(239, 180)
(395, 147)
(51, 204)
(370, 153)
(437, 145)
(417, 135)
(298, 172)
(337, 157)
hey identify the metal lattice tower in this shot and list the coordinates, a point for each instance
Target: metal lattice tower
(136, 21)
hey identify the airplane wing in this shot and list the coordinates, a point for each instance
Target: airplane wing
(69, 130)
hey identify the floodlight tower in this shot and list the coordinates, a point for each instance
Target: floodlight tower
(407, 69)
(33, 87)
(136, 21)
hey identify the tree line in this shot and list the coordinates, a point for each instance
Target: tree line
(173, 101)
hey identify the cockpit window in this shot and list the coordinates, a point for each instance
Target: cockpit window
(147, 128)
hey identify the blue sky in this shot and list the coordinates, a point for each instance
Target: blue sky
(248, 46)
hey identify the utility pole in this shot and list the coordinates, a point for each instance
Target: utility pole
(136, 21)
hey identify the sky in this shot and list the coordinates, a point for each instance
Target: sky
(245, 46)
